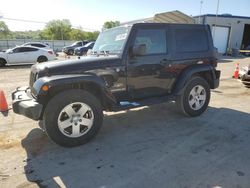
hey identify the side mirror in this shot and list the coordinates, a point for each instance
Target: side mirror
(139, 50)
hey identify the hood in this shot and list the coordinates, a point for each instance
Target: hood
(77, 66)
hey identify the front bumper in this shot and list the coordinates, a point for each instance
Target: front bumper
(23, 103)
(77, 52)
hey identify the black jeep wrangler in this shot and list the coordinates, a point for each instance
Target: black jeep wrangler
(129, 66)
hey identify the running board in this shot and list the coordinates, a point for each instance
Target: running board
(126, 105)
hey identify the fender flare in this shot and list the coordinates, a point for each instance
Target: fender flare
(186, 74)
(58, 83)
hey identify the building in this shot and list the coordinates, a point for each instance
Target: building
(229, 32)
(165, 17)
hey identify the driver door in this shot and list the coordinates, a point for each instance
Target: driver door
(17, 55)
(147, 74)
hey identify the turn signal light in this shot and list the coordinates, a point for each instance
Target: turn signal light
(45, 88)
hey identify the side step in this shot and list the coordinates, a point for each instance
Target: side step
(126, 105)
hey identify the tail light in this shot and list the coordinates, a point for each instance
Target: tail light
(50, 52)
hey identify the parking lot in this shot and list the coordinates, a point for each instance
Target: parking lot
(144, 147)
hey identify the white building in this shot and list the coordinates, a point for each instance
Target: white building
(229, 32)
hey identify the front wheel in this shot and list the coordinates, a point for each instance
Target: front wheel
(195, 98)
(2, 62)
(72, 118)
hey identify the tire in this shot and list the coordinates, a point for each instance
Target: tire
(71, 52)
(41, 59)
(70, 128)
(2, 62)
(195, 98)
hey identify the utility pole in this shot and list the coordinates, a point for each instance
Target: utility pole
(217, 10)
(201, 2)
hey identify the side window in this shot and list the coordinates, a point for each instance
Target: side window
(27, 49)
(154, 39)
(79, 44)
(191, 40)
(31, 49)
(38, 45)
(16, 50)
(20, 50)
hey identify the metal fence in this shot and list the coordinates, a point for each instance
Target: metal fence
(56, 45)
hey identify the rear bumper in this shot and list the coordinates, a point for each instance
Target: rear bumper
(24, 104)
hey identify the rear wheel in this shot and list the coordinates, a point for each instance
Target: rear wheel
(42, 59)
(72, 118)
(195, 98)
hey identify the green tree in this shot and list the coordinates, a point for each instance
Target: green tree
(110, 24)
(4, 30)
(95, 35)
(77, 34)
(26, 34)
(57, 30)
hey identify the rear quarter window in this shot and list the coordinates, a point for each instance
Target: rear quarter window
(191, 40)
(38, 45)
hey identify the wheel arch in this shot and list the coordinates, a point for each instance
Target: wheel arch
(205, 71)
(4, 60)
(93, 84)
(42, 56)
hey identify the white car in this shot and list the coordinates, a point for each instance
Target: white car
(25, 55)
(37, 44)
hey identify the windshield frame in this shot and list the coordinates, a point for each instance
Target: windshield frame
(120, 52)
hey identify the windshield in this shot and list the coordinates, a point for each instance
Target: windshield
(9, 50)
(88, 44)
(75, 43)
(112, 40)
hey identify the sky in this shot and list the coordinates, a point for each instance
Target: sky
(91, 14)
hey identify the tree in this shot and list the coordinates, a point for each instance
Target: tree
(110, 24)
(4, 30)
(77, 34)
(57, 30)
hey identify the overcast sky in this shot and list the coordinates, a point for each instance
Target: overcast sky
(92, 14)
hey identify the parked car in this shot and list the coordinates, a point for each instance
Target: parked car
(247, 53)
(84, 49)
(37, 44)
(244, 75)
(25, 55)
(69, 50)
(130, 66)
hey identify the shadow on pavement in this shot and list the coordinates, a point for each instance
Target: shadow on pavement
(149, 148)
(9, 67)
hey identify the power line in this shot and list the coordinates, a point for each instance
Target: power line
(21, 20)
(40, 22)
